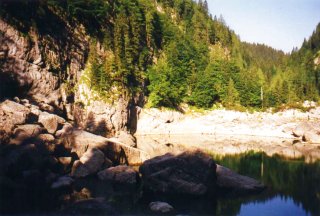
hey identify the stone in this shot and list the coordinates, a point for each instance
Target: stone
(79, 170)
(80, 141)
(46, 107)
(24, 132)
(16, 99)
(50, 121)
(161, 207)
(29, 130)
(312, 136)
(65, 161)
(119, 174)
(239, 184)
(12, 114)
(35, 110)
(126, 138)
(89, 163)
(25, 102)
(191, 173)
(64, 181)
(46, 138)
(304, 127)
(66, 130)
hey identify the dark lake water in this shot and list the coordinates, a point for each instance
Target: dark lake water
(293, 189)
(293, 186)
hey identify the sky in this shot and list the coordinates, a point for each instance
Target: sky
(281, 24)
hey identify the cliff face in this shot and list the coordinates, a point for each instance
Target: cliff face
(42, 58)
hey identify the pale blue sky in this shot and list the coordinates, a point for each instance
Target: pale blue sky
(282, 24)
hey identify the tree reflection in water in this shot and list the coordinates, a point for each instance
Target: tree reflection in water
(289, 182)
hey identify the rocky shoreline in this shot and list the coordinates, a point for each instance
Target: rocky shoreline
(43, 152)
(226, 122)
(291, 133)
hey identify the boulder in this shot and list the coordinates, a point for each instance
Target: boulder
(161, 207)
(30, 130)
(227, 180)
(50, 121)
(35, 110)
(66, 130)
(12, 114)
(119, 174)
(312, 136)
(23, 132)
(89, 163)
(79, 141)
(191, 173)
(46, 107)
(63, 181)
(304, 127)
(46, 138)
(126, 138)
(65, 161)
(25, 102)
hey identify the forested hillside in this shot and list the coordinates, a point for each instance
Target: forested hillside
(173, 51)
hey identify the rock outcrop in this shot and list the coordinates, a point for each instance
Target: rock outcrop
(89, 163)
(11, 114)
(45, 66)
(50, 122)
(229, 181)
(80, 141)
(119, 174)
(308, 131)
(188, 173)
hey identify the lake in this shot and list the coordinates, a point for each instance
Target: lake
(293, 186)
(292, 189)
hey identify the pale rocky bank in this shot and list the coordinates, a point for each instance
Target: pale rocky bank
(290, 133)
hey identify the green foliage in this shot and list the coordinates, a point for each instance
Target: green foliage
(173, 52)
(232, 96)
(164, 86)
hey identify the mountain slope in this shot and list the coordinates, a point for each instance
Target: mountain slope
(84, 58)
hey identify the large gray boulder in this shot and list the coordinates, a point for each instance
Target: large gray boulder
(88, 164)
(191, 173)
(227, 180)
(11, 114)
(119, 174)
(50, 121)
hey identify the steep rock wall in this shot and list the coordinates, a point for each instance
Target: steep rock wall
(43, 59)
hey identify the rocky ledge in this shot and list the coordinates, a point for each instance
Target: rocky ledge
(227, 122)
(42, 151)
(193, 173)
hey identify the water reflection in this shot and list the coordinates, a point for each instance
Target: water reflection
(293, 186)
(277, 206)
